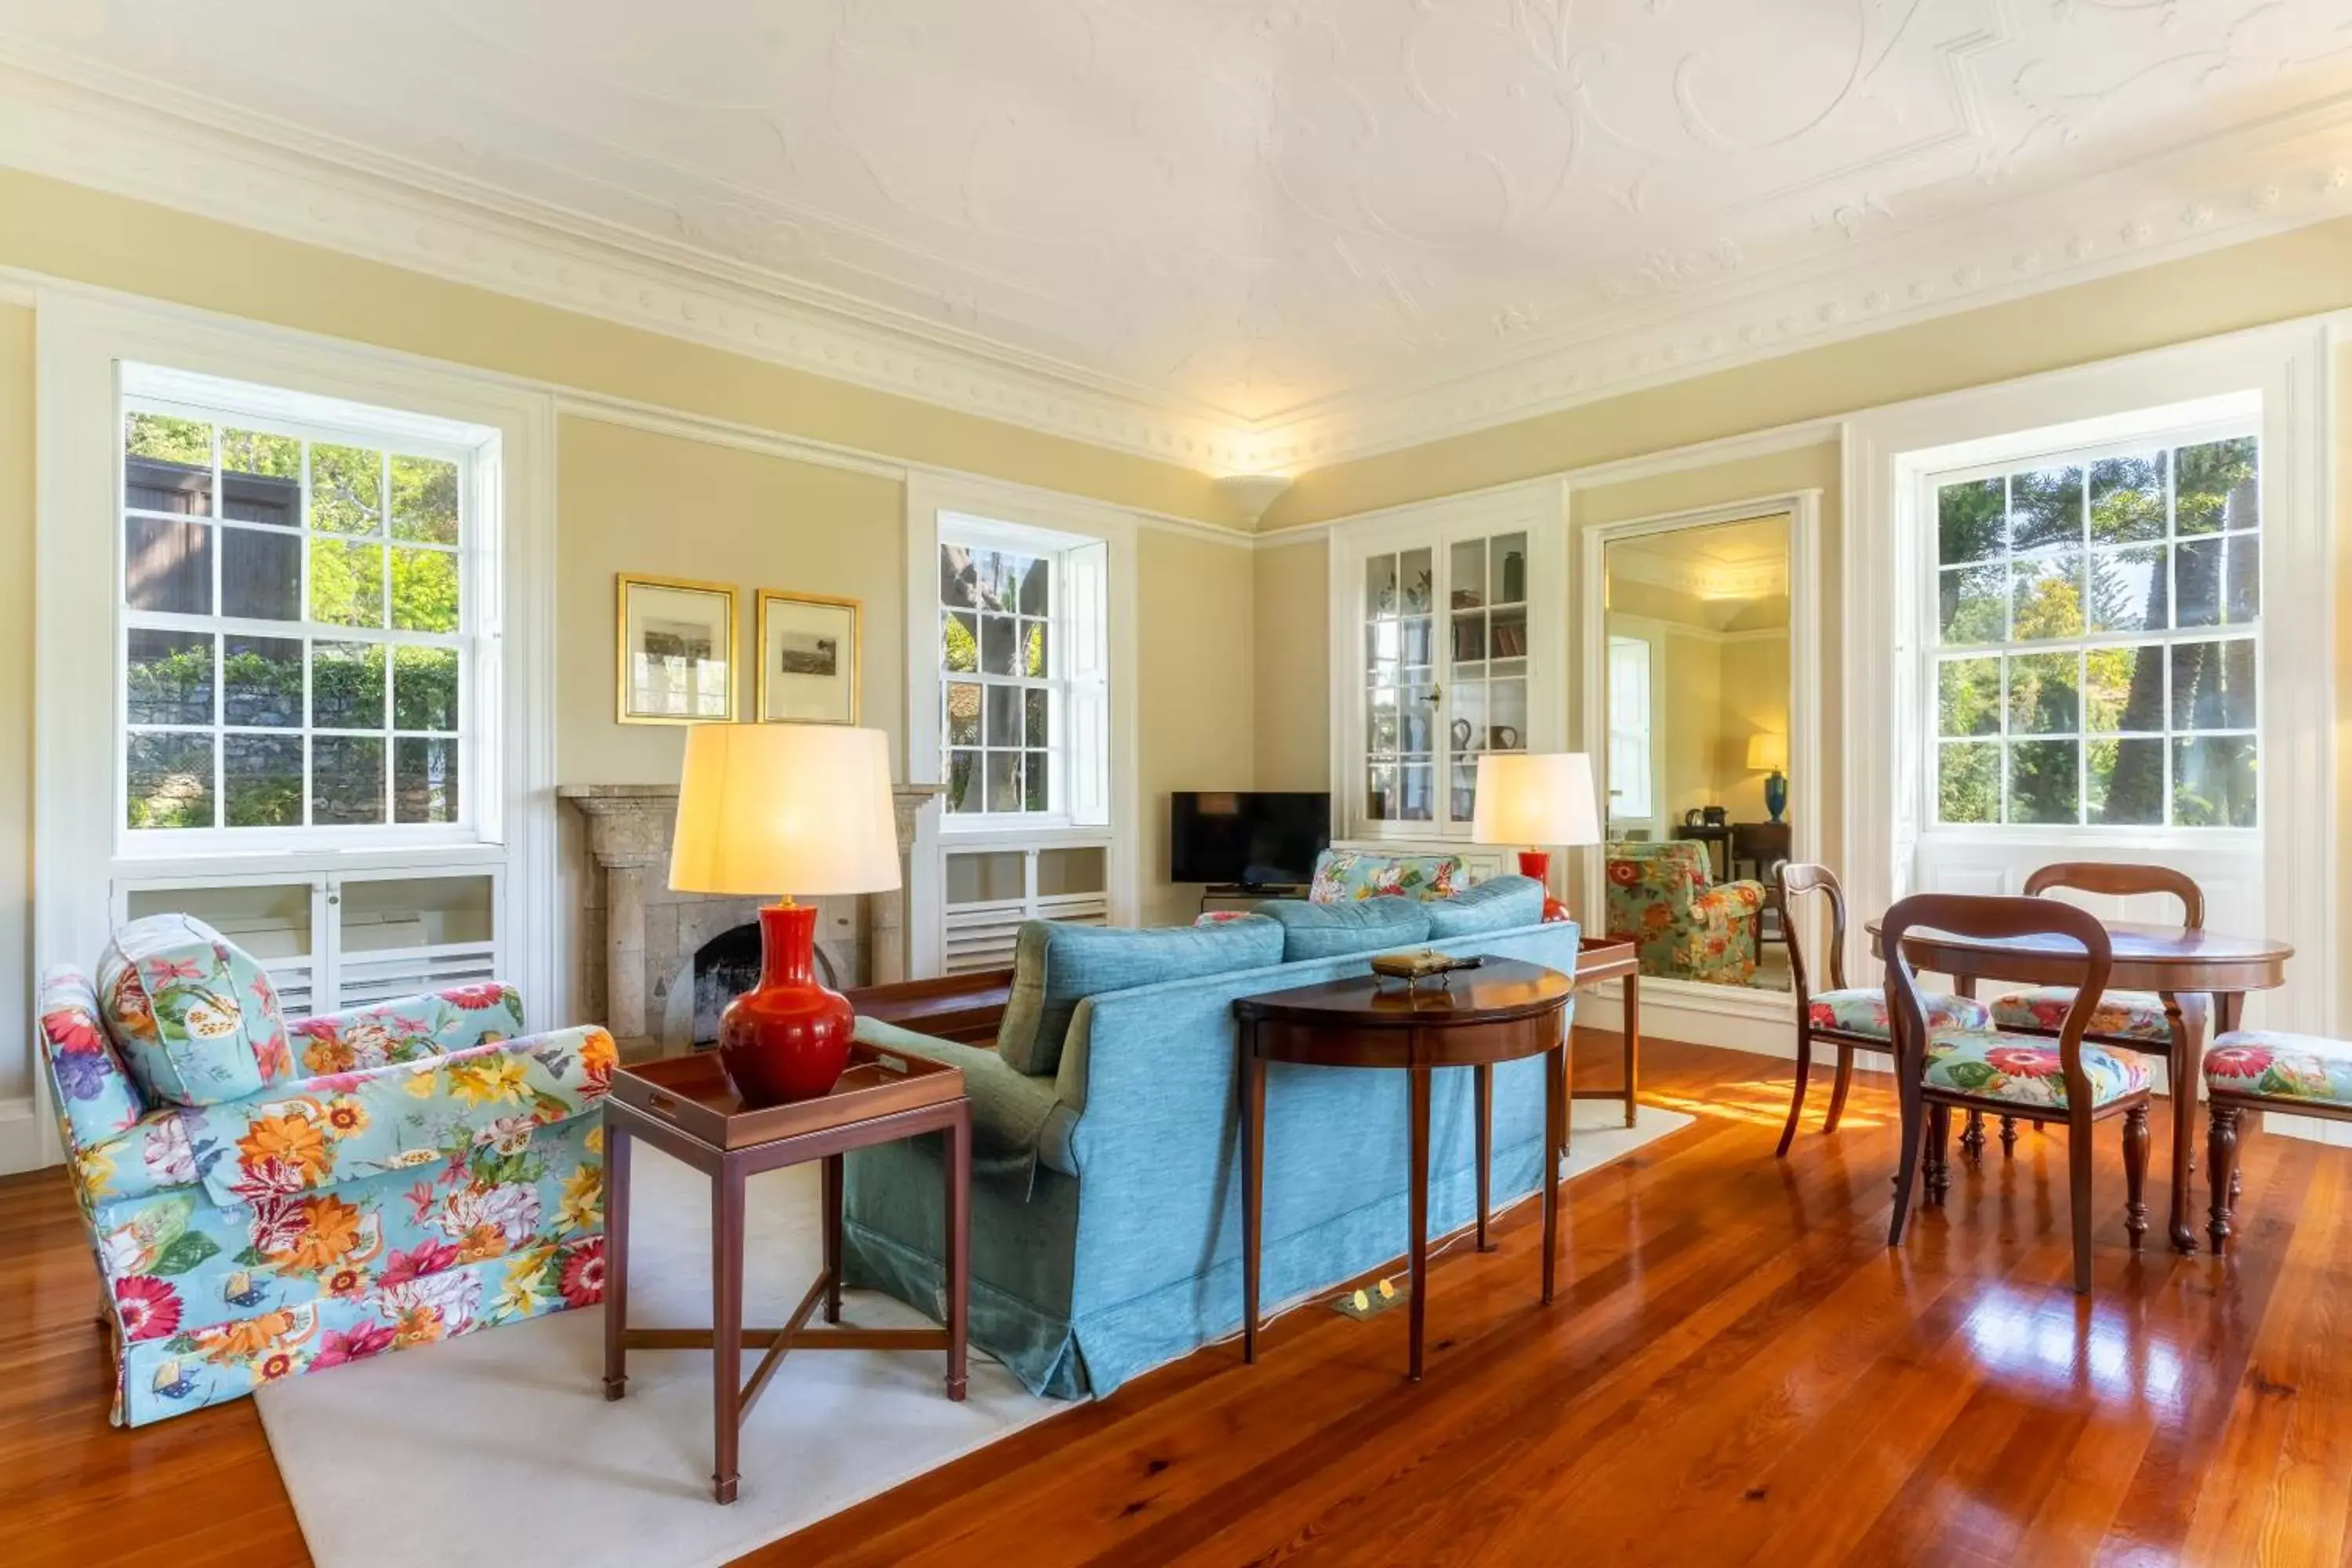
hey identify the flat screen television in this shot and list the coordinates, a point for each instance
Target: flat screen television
(1257, 838)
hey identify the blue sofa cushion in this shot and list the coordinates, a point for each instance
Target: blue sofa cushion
(1336, 931)
(1056, 966)
(1499, 903)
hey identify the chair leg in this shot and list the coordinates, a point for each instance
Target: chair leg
(1972, 1138)
(2221, 1155)
(2078, 1196)
(1837, 1090)
(2135, 1174)
(2008, 1137)
(1906, 1170)
(1796, 1095)
(1939, 1143)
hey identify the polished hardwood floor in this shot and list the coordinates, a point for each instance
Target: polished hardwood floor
(1738, 1371)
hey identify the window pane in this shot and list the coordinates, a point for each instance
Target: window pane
(963, 781)
(264, 779)
(2128, 499)
(2043, 782)
(1037, 588)
(425, 502)
(346, 490)
(1417, 721)
(997, 636)
(2045, 509)
(1381, 802)
(346, 583)
(1470, 637)
(167, 465)
(1968, 696)
(2220, 580)
(1974, 604)
(2213, 781)
(963, 712)
(1040, 730)
(261, 574)
(959, 642)
(2213, 685)
(424, 688)
(1464, 800)
(1468, 565)
(170, 780)
(261, 477)
(2046, 597)
(1035, 776)
(168, 566)
(261, 686)
(2128, 589)
(1034, 649)
(1507, 568)
(958, 583)
(347, 684)
(1004, 716)
(2126, 783)
(346, 780)
(170, 681)
(1417, 782)
(1414, 641)
(1381, 724)
(424, 590)
(1380, 584)
(1969, 522)
(1004, 781)
(1469, 732)
(2045, 694)
(1416, 570)
(424, 780)
(2123, 688)
(998, 576)
(2218, 487)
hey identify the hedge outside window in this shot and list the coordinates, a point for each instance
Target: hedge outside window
(2097, 620)
(295, 642)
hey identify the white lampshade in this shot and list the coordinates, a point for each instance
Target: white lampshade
(1535, 800)
(785, 809)
(1768, 754)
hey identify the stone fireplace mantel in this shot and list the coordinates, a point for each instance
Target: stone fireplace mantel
(645, 925)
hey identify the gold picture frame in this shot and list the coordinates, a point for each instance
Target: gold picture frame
(668, 632)
(811, 658)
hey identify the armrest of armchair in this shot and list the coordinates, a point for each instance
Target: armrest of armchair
(340, 1127)
(407, 1030)
(1729, 902)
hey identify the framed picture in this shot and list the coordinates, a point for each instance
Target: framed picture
(808, 659)
(677, 655)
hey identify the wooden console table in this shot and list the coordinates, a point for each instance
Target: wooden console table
(685, 1107)
(1600, 958)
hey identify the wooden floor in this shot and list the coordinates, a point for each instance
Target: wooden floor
(1738, 1371)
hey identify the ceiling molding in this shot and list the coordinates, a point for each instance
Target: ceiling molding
(2265, 178)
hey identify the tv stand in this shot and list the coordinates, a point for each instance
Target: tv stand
(1248, 893)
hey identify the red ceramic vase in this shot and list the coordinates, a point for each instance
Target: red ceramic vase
(788, 1036)
(1537, 863)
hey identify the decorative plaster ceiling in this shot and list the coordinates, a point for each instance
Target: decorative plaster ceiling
(1246, 234)
(1718, 561)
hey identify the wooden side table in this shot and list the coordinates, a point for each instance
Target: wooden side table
(685, 1107)
(1502, 1011)
(1600, 958)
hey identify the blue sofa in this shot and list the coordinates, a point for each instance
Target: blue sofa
(1106, 1208)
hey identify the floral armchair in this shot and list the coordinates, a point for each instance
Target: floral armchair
(266, 1200)
(1687, 927)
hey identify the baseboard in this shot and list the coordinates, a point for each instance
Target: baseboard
(27, 1143)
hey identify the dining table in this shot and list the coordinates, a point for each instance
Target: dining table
(2203, 977)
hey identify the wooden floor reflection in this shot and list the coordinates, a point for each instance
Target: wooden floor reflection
(1738, 1371)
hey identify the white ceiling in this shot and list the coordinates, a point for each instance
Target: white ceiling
(1330, 224)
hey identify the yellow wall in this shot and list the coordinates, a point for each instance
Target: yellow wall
(16, 684)
(1292, 715)
(1194, 692)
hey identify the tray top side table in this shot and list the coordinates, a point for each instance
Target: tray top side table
(684, 1106)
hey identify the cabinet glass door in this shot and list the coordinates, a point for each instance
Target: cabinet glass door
(1401, 694)
(1486, 672)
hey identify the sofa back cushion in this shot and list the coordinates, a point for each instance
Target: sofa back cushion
(94, 1089)
(1056, 966)
(1342, 875)
(1499, 903)
(195, 1018)
(1312, 931)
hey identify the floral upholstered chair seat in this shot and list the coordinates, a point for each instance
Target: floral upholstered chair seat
(2284, 1066)
(1684, 925)
(2025, 1069)
(2120, 1015)
(1862, 1010)
(1342, 876)
(265, 1200)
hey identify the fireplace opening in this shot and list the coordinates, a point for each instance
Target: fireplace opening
(721, 970)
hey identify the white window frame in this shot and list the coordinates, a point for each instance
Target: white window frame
(274, 411)
(1632, 742)
(85, 336)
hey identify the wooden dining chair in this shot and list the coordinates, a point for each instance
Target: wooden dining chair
(1850, 1017)
(1994, 1069)
(2135, 1020)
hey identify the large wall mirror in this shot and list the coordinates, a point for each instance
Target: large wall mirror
(1696, 683)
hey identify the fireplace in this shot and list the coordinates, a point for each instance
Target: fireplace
(716, 973)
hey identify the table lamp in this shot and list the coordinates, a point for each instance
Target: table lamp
(763, 808)
(1769, 754)
(1533, 800)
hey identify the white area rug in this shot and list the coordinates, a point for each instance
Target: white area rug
(500, 1447)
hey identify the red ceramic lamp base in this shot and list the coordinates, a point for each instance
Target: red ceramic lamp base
(1537, 863)
(787, 1038)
